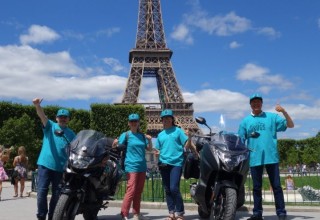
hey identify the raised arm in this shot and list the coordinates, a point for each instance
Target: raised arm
(290, 123)
(40, 112)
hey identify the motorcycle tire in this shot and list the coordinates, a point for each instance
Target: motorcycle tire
(241, 198)
(202, 214)
(226, 206)
(90, 214)
(65, 208)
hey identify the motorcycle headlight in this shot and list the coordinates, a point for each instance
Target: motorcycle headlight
(80, 162)
(231, 161)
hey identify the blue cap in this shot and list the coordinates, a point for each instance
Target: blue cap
(256, 96)
(166, 112)
(63, 112)
(134, 117)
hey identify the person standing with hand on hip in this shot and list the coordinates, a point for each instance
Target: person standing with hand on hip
(260, 129)
(135, 166)
(52, 159)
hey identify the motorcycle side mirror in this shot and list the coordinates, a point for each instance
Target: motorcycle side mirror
(254, 134)
(201, 120)
(59, 132)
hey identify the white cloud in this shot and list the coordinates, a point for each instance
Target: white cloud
(114, 64)
(269, 31)
(109, 32)
(234, 45)
(223, 101)
(27, 73)
(182, 33)
(303, 111)
(225, 25)
(261, 75)
(219, 25)
(39, 34)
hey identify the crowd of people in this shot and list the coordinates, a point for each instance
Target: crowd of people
(169, 148)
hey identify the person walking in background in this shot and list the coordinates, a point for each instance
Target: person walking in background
(135, 166)
(52, 159)
(260, 129)
(20, 164)
(170, 146)
(4, 157)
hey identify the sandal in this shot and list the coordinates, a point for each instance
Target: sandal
(170, 217)
(15, 195)
(179, 218)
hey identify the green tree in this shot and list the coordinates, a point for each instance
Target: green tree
(19, 132)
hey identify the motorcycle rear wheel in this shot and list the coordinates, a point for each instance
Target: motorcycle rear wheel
(226, 206)
(65, 208)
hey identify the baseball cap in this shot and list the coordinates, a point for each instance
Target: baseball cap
(134, 117)
(63, 112)
(256, 96)
(166, 112)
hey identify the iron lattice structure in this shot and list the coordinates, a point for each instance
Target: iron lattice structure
(151, 58)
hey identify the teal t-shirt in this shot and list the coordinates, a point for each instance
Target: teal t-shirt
(170, 143)
(263, 149)
(135, 160)
(53, 154)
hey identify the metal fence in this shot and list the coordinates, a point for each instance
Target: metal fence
(306, 191)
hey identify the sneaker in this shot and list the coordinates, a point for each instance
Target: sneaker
(282, 217)
(139, 217)
(255, 217)
(124, 218)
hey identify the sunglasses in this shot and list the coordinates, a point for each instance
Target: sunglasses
(133, 121)
(62, 116)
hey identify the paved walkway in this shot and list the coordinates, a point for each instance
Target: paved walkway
(25, 208)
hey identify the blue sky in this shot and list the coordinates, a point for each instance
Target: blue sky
(74, 53)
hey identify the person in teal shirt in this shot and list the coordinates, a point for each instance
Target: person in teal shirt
(52, 159)
(170, 147)
(259, 130)
(135, 166)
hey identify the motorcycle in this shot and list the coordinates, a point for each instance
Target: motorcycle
(221, 171)
(91, 178)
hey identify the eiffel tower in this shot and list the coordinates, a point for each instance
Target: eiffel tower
(151, 58)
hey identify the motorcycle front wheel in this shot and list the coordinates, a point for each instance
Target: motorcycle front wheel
(66, 208)
(92, 213)
(225, 207)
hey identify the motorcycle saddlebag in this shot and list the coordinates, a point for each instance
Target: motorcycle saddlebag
(191, 167)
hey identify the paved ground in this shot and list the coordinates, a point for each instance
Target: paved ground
(25, 208)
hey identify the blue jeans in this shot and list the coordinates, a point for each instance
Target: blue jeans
(274, 178)
(171, 176)
(45, 177)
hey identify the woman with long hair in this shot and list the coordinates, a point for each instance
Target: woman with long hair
(20, 164)
(135, 166)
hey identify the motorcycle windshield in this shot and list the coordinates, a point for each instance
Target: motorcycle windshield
(86, 147)
(230, 149)
(228, 141)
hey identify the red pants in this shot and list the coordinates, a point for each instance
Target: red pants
(134, 190)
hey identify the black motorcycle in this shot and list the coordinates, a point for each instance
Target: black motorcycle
(91, 178)
(221, 172)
